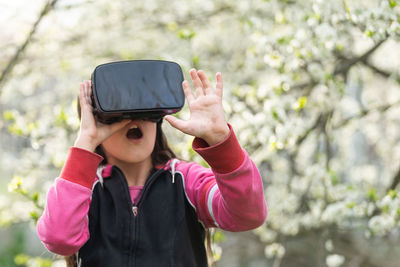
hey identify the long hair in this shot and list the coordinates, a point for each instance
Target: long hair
(160, 155)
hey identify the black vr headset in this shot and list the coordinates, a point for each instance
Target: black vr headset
(136, 89)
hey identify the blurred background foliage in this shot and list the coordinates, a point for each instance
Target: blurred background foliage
(311, 88)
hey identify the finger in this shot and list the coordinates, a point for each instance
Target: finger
(81, 91)
(220, 84)
(188, 92)
(199, 92)
(198, 85)
(88, 92)
(86, 115)
(118, 125)
(206, 83)
(82, 95)
(84, 91)
(179, 124)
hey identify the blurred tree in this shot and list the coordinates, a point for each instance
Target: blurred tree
(311, 88)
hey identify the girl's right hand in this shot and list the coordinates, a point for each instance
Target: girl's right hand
(92, 133)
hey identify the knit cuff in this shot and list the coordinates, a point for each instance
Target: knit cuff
(223, 157)
(81, 166)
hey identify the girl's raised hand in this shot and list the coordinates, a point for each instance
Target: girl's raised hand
(92, 133)
(207, 118)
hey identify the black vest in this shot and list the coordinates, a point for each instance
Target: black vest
(165, 231)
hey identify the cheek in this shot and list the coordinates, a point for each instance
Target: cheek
(112, 140)
(152, 135)
(111, 145)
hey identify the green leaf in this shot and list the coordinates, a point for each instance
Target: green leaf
(369, 33)
(346, 7)
(339, 47)
(328, 76)
(172, 26)
(392, 193)
(8, 115)
(196, 61)
(34, 216)
(284, 40)
(249, 23)
(275, 114)
(334, 178)
(31, 126)
(15, 184)
(61, 117)
(301, 103)
(274, 144)
(385, 209)
(35, 197)
(219, 237)
(317, 16)
(186, 34)
(15, 130)
(372, 194)
(24, 260)
(280, 18)
(21, 259)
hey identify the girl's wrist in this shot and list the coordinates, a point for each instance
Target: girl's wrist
(217, 136)
(85, 143)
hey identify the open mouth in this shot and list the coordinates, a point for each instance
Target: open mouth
(134, 133)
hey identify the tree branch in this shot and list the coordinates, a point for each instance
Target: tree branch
(14, 60)
(344, 65)
(383, 108)
(320, 125)
(317, 123)
(364, 113)
(395, 182)
(381, 72)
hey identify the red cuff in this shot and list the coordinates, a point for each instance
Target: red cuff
(81, 166)
(223, 157)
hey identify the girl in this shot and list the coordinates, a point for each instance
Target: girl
(133, 204)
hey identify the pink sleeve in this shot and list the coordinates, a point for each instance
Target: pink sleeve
(230, 195)
(63, 226)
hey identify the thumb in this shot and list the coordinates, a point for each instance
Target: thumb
(179, 124)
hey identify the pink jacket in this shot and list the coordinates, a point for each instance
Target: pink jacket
(230, 195)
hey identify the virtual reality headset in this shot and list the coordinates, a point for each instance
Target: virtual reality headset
(136, 89)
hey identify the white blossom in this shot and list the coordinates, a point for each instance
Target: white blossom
(274, 250)
(334, 260)
(381, 224)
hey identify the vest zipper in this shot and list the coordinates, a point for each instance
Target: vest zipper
(136, 208)
(132, 234)
(135, 211)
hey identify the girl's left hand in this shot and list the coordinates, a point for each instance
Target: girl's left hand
(207, 118)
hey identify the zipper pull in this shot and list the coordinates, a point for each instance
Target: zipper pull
(134, 210)
(172, 165)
